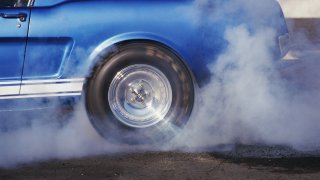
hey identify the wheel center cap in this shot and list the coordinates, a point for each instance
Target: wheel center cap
(139, 94)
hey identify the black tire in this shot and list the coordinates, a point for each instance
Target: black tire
(151, 54)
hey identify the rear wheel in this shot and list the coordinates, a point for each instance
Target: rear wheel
(142, 93)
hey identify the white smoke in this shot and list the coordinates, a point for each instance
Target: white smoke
(248, 102)
(254, 98)
(43, 141)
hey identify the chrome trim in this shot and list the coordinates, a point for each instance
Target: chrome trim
(284, 42)
(30, 3)
(290, 55)
(52, 81)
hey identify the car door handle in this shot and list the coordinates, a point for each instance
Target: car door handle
(21, 16)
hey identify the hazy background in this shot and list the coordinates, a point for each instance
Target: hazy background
(300, 8)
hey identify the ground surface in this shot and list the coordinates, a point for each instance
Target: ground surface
(170, 165)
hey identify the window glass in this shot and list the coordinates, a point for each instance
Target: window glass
(14, 3)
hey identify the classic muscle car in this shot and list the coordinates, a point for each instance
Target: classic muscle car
(136, 63)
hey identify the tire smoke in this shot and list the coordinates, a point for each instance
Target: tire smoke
(249, 101)
(254, 98)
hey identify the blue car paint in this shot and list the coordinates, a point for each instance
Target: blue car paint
(12, 44)
(45, 57)
(67, 37)
(108, 21)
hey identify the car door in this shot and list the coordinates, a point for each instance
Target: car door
(14, 22)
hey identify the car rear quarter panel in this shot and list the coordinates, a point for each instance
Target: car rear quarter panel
(69, 34)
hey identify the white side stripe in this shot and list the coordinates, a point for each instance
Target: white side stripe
(40, 88)
(52, 81)
(40, 95)
(9, 90)
(10, 82)
(51, 88)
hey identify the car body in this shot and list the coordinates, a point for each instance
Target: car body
(49, 48)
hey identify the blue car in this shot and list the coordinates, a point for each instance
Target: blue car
(136, 63)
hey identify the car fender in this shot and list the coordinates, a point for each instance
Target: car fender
(103, 49)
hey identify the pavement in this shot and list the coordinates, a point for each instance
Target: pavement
(169, 165)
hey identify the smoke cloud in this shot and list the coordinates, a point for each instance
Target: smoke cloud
(249, 101)
(46, 136)
(252, 98)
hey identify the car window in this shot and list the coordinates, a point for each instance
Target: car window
(14, 3)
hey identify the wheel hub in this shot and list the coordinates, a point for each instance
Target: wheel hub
(140, 96)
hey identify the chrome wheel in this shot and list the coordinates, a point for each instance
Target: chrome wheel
(140, 96)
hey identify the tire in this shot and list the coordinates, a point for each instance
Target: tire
(141, 93)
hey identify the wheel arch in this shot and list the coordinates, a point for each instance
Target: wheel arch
(109, 46)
